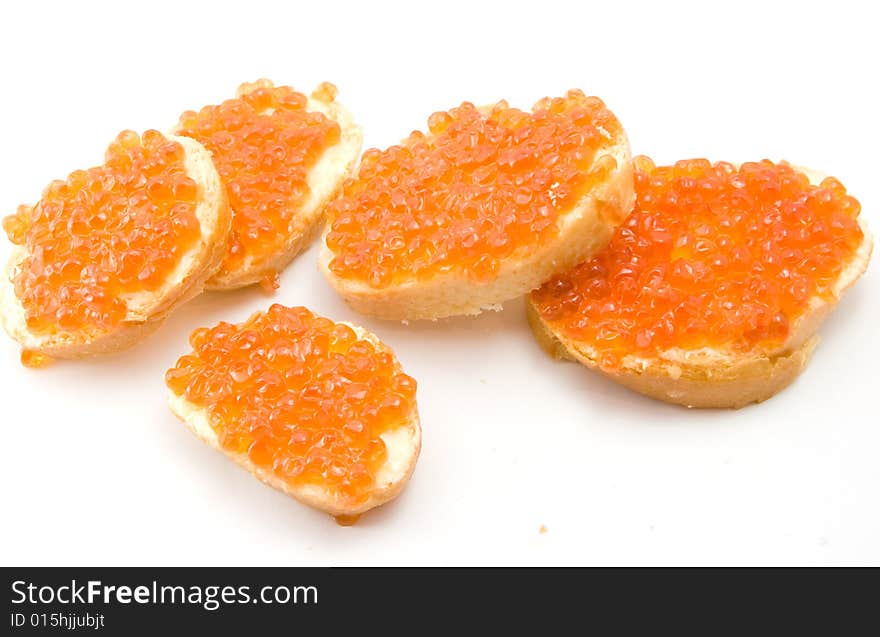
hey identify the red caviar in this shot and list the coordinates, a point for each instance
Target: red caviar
(105, 234)
(305, 398)
(270, 281)
(264, 143)
(712, 256)
(35, 360)
(483, 186)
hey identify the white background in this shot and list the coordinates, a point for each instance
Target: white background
(96, 470)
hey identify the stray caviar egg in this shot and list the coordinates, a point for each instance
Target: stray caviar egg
(105, 234)
(270, 281)
(34, 360)
(347, 520)
(484, 185)
(264, 143)
(712, 256)
(304, 398)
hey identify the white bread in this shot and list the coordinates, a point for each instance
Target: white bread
(146, 311)
(715, 378)
(403, 444)
(583, 230)
(324, 180)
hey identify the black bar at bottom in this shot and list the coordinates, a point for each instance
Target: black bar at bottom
(129, 601)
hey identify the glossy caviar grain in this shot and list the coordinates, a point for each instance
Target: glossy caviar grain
(105, 234)
(302, 396)
(264, 143)
(478, 189)
(712, 256)
(270, 282)
(34, 359)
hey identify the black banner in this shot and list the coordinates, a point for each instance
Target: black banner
(394, 601)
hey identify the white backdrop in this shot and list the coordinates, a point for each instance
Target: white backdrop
(97, 471)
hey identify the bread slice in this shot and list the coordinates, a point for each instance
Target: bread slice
(403, 444)
(146, 310)
(583, 230)
(708, 377)
(324, 181)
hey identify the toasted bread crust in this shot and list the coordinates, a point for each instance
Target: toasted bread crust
(325, 181)
(584, 230)
(719, 386)
(146, 312)
(403, 444)
(711, 378)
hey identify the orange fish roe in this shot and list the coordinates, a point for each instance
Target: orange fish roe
(305, 398)
(264, 144)
(712, 256)
(347, 520)
(105, 234)
(482, 187)
(270, 282)
(34, 359)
